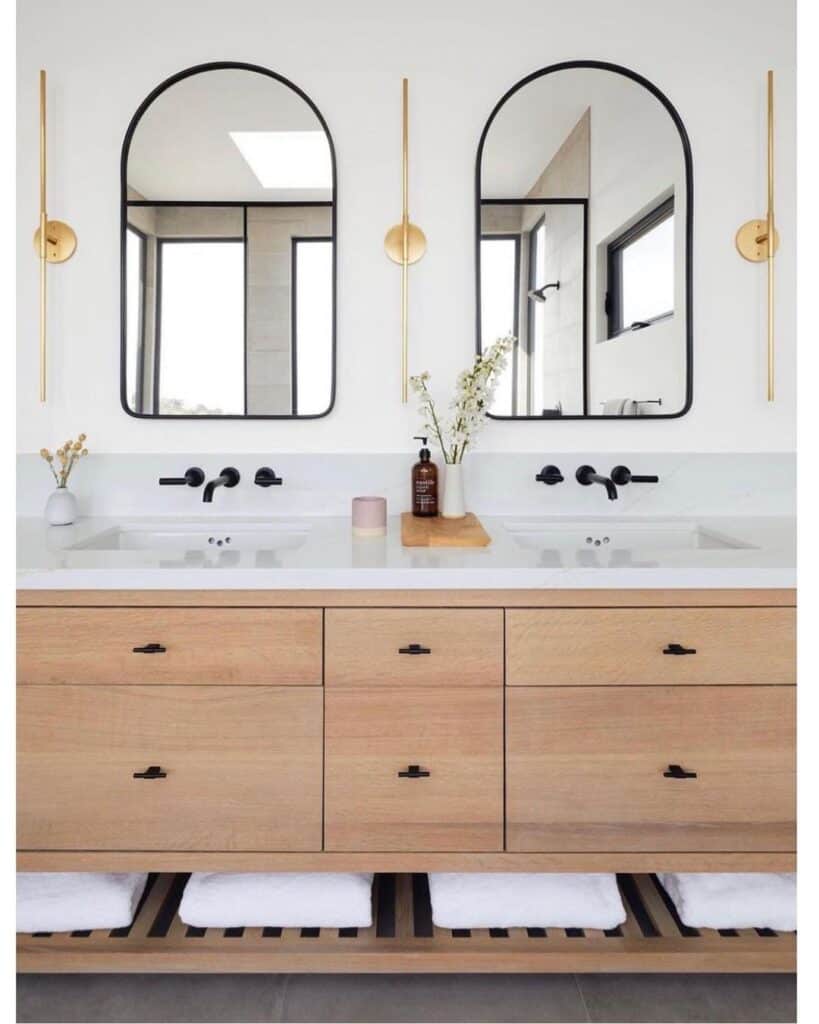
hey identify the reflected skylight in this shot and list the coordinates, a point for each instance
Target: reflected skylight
(287, 159)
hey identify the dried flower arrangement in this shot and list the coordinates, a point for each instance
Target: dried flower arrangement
(472, 400)
(67, 456)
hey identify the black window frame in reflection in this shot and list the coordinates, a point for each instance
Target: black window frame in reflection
(688, 304)
(614, 269)
(126, 204)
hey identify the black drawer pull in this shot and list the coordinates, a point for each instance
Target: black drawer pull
(150, 649)
(154, 772)
(414, 771)
(414, 649)
(679, 649)
(676, 771)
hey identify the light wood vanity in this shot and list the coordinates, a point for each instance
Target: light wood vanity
(401, 732)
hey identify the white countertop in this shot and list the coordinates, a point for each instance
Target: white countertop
(331, 558)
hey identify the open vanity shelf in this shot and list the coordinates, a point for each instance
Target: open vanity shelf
(404, 939)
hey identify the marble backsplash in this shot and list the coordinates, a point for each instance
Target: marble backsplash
(495, 484)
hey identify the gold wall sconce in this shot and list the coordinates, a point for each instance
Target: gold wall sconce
(54, 241)
(405, 243)
(758, 240)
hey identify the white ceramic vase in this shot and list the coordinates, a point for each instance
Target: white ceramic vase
(61, 507)
(453, 506)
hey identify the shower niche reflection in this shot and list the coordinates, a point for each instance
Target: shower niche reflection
(583, 231)
(228, 250)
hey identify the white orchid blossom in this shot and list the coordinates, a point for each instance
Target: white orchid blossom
(474, 392)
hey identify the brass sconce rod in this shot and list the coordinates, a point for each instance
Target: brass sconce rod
(54, 241)
(405, 243)
(43, 233)
(758, 240)
(771, 228)
(404, 235)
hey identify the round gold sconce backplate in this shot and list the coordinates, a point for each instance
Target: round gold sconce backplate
(752, 240)
(60, 241)
(416, 243)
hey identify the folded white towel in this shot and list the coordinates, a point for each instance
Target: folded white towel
(282, 900)
(734, 900)
(53, 901)
(490, 900)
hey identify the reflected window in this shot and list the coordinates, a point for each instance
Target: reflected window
(201, 327)
(537, 319)
(135, 310)
(641, 272)
(312, 319)
(500, 271)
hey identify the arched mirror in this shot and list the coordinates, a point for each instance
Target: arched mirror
(228, 249)
(583, 246)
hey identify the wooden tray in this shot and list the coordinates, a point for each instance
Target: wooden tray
(418, 532)
(404, 939)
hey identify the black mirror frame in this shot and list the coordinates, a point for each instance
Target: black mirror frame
(689, 231)
(333, 203)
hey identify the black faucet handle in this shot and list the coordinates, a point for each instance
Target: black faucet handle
(266, 477)
(549, 475)
(231, 476)
(622, 475)
(194, 477)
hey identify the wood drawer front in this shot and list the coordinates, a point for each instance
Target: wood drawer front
(585, 768)
(363, 646)
(454, 734)
(280, 646)
(611, 646)
(243, 768)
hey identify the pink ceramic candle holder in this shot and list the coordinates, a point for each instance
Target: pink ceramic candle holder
(369, 517)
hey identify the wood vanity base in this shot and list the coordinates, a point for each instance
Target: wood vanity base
(299, 731)
(403, 939)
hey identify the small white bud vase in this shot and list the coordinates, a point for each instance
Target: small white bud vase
(453, 506)
(61, 507)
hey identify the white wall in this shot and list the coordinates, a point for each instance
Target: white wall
(460, 56)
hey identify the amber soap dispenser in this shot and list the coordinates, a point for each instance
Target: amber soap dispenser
(424, 483)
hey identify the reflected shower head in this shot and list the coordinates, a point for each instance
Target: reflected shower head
(539, 294)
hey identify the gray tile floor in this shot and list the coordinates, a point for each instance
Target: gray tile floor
(500, 998)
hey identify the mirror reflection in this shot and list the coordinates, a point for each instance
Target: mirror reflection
(228, 250)
(584, 247)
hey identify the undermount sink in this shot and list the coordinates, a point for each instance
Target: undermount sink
(607, 536)
(216, 536)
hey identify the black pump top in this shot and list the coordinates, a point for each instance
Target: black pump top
(424, 454)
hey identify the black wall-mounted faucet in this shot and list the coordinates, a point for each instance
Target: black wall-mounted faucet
(622, 475)
(229, 477)
(194, 477)
(586, 475)
(549, 475)
(266, 477)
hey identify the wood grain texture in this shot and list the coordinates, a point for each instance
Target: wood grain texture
(619, 646)
(204, 860)
(439, 598)
(203, 645)
(585, 768)
(372, 734)
(362, 647)
(243, 764)
(435, 532)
